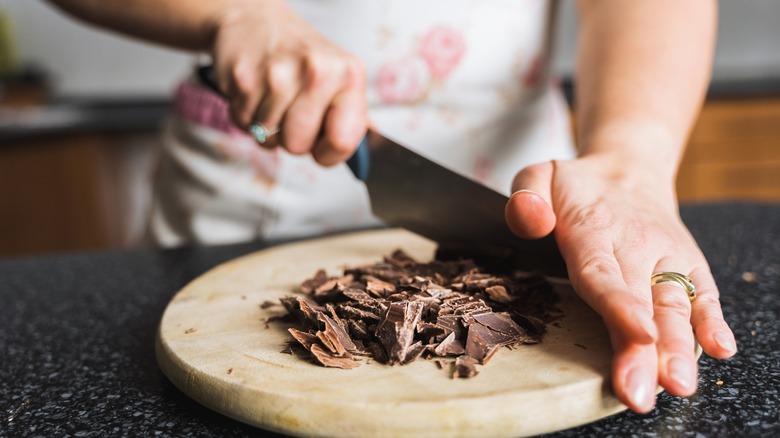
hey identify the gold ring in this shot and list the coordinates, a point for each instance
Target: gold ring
(681, 280)
(262, 132)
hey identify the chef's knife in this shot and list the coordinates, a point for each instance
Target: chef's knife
(410, 191)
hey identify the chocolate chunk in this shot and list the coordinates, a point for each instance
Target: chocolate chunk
(465, 367)
(306, 339)
(500, 322)
(354, 312)
(499, 293)
(482, 343)
(377, 287)
(336, 338)
(357, 294)
(309, 286)
(330, 360)
(396, 331)
(450, 346)
(427, 330)
(358, 330)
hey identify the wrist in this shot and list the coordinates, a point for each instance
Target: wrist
(634, 149)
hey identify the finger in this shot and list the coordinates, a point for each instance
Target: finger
(634, 371)
(712, 331)
(598, 279)
(346, 121)
(304, 119)
(529, 212)
(676, 355)
(242, 83)
(283, 84)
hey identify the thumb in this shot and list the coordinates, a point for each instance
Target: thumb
(529, 212)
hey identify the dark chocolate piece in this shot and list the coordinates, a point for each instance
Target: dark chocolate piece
(465, 367)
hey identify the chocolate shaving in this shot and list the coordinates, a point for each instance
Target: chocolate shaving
(399, 309)
(465, 367)
(330, 360)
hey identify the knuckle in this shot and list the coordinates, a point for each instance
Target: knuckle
(598, 266)
(244, 78)
(354, 73)
(318, 69)
(708, 300)
(279, 77)
(594, 217)
(672, 301)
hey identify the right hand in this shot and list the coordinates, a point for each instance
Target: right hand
(279, 72)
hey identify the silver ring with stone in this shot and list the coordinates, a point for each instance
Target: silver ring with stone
(679, 279)
(262, 133)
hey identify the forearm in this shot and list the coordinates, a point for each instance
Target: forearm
(184, 24)
(642, 72)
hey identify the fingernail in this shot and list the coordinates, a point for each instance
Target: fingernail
(526, 191)
(724, 340)
(639, 388)
(681, 372)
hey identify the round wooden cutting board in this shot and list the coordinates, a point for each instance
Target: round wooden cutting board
(215, 345)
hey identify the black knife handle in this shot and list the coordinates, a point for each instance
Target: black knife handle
(206, 77)
(359, 161)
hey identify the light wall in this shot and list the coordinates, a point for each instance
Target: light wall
(748, 39)
(87, 62)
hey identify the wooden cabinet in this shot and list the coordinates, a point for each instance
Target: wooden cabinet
(733, 152)
(74, 192)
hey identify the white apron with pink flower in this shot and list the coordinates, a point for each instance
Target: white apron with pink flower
(461, 81)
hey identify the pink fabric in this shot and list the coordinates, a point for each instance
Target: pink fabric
(408, 79)
(442, 48)
(402, 81)
(197, 104)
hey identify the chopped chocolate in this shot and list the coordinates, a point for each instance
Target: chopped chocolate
(499, 293)
(306, 339)
(330, 360)
(336, 336)
(396, 331)
(465, 367)
(450, 346)
(399, 309)
(482, 342)
(309, 286)
(265, 304)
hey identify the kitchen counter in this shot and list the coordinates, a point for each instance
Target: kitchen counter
(77, 341)
(77, 116)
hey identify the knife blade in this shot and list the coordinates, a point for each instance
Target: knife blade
(410, 191)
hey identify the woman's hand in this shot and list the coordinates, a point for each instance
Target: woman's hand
(616, 225)
(279, 73)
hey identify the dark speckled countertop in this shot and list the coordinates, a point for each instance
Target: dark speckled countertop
(77, 341)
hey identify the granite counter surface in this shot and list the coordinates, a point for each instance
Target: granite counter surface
(77, 341)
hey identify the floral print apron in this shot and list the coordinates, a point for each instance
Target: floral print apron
(463, 82)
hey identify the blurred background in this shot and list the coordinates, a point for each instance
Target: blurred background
(80, 112)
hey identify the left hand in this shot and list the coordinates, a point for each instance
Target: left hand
(615, 227)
